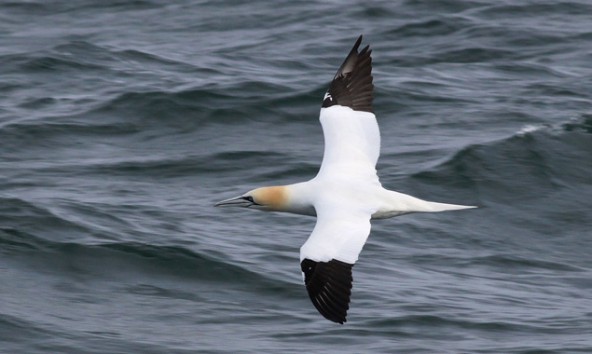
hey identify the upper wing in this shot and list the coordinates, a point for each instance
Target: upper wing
(327, 258)
(349, 125)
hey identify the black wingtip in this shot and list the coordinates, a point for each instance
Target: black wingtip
(357, 44)
(352, 85)
(329, 287)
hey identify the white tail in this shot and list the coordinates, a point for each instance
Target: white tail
(399, 204)
(437, 207)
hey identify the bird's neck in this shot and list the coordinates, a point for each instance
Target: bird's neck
(299, 199)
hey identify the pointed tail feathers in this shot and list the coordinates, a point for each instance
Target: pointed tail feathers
(398, 204)
(412, 204)
(437, 207)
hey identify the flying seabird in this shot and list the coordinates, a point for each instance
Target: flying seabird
(345, 194)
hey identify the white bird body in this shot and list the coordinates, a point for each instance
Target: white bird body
(345, 194)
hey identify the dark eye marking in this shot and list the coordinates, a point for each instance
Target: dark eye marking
(250, 199)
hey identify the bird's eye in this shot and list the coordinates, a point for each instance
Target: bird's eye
(249, 199)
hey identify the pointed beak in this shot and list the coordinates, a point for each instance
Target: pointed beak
(234, 202)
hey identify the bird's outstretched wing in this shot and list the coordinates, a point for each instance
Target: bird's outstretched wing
(349, 125)
(352, 147)
(327, 257)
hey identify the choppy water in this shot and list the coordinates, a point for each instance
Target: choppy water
(122, 122)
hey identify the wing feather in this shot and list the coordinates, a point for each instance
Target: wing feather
(353, 81)
(352, 147)
(327, 258)
(349, 124)
(351, 137)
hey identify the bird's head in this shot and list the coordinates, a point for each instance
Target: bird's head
(264, 198)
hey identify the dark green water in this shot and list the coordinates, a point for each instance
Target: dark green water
(121, 123)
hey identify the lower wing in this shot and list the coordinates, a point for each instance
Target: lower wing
(327, 258)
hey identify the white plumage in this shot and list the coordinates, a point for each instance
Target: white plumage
(352, 139)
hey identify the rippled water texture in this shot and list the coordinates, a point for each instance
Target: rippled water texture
(123, 122)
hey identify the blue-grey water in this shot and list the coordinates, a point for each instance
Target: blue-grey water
(123, 122)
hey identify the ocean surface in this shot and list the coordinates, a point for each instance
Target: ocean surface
(123, 122)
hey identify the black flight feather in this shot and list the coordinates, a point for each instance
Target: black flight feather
(352, 85)
(329, 287)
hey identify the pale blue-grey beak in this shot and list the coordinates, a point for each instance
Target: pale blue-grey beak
(236, 202)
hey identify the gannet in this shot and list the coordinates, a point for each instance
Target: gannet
(345, 194)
